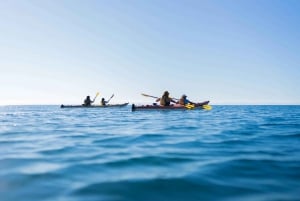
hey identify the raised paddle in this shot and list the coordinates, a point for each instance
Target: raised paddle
(110, 98)
(97, 94)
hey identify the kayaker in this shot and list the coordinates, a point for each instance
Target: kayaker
(165, 100)
(183, 100)
(87, 101)
(103, 101)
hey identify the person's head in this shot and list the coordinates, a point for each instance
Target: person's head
(88, 97)
(184, 96)
(166, 93)
(102, 99)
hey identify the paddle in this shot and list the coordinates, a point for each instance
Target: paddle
(149, 96)
(97, 94)
(110, 98)
(155, 96)
(206, 107)
(189, 106)
(192, 106)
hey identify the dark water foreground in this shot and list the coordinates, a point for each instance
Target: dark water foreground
(228, 153)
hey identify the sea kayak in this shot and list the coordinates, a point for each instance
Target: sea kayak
(202, 105)
(94, 106)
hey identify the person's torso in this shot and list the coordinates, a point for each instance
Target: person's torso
(181, 101)
(87, 101)
(165, 101)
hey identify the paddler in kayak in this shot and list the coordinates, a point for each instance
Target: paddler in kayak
(165, 100)
(87, 101)
(103, 101)
(184, 101)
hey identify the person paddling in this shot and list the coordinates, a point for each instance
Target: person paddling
(165, 100)
(87, 101)
(184, 101)
(103, 101)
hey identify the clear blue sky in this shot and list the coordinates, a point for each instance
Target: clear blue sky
(225, 51)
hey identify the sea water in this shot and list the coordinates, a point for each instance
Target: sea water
(227, 153)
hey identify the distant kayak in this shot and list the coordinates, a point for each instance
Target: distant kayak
(201, 105)
(94, 106)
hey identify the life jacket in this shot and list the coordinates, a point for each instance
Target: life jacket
(165, 101)
(87, 102)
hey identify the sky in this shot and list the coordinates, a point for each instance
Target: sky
(225, 51)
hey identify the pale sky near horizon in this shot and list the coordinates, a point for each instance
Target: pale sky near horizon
(225, 51)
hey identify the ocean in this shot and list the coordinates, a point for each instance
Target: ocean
(112, 154)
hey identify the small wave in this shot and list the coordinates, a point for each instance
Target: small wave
(153, 189)
(161, 189)
(287, 135)
(148, 161)
(295, 135)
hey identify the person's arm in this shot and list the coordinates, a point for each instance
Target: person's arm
(190, 102)
(173, 100)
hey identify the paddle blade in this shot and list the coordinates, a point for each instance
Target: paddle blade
(189, 106)
(206, 107)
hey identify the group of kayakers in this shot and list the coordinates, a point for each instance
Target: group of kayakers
(164, 100)
(88, 102)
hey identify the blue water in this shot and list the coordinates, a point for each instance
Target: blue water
(228, 153)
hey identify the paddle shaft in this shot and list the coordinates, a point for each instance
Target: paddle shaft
(110, 98)
(96, 96)
(156, 96)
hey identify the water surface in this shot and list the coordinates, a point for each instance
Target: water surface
(228, 153)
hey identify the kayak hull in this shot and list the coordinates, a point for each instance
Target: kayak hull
(171, 107)
(94, 106)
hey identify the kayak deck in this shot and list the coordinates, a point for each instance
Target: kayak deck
(171, 107)
(94, 106)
